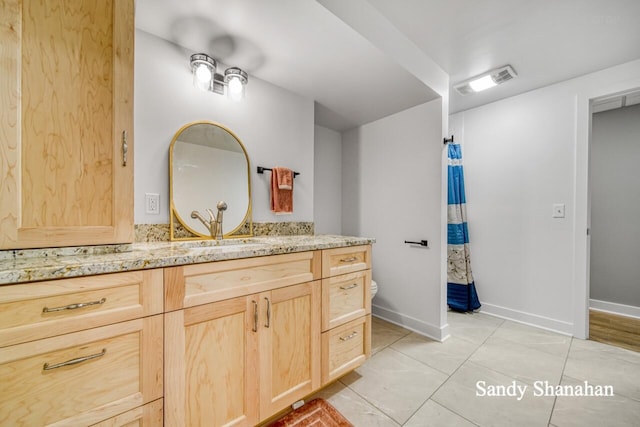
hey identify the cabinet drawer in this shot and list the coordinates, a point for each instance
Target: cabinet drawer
(84, 377)
(345, 348)
(345, 298)
(43, 309)
(197, 284)
(345, 260)
(149, 415)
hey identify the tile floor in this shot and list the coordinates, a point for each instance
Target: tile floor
(416, 382)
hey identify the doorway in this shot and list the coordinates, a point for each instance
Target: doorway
(614, 273)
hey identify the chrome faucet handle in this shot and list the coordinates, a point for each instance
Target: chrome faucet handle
(222, 206)
(212, 217)
(208, 224)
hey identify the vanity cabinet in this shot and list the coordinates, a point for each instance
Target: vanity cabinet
(346, 310)
(81, 351)
(239, 360)
(66, 113)
(219, 343)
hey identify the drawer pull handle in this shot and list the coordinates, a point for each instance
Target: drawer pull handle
(266, 325)
(346, 288)
(350, 259)
(48, 367)
(255, 316)
(74, 306)
(350, 336)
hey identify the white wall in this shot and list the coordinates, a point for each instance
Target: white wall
(275, 125)
(327, 192)
(615, 206)
(522, 155)
(392, 189)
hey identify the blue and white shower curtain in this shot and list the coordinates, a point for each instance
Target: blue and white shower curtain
(461, 290)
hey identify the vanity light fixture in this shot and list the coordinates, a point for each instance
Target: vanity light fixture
(486, 80)
(205, 77)
(236, 80)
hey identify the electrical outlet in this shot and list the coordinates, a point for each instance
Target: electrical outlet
(152, 203)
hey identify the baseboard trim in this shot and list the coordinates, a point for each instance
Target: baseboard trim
(411, 323)
(612, 307)
(530, 319)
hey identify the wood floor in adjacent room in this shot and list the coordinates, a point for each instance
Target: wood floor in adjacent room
(609, 328)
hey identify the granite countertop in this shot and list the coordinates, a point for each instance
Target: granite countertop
(18, 266)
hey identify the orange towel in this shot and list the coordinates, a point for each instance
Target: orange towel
(285, 178)
(281, 198)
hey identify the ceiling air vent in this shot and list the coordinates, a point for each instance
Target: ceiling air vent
(486, 80)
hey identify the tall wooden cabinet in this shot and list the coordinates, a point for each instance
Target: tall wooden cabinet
(66, 117)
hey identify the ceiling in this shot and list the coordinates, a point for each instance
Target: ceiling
(303, 47)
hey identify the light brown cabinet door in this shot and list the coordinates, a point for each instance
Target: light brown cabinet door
(289, 345)
(66, 105)
(211, 364)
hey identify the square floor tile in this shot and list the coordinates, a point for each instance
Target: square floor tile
(353, 407)
(594, 411)
(547, 341)
(395, 383)
(384, 334)
(459, 395)
(445, 356)
(519, 361)
(434, 415)
(602, 364)
(474, 327)
(377, 321)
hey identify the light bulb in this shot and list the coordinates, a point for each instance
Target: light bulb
(235, 86)
(203, 73)
(482, 83)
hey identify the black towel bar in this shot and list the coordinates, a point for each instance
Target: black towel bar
(421, 243)
(262, 169)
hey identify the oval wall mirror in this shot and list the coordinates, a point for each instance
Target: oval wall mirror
(208, 164)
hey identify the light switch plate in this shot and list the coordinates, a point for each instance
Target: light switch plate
(558, 210)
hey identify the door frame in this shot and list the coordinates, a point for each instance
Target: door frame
(582, 200)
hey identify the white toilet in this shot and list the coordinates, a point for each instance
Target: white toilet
(374, 288)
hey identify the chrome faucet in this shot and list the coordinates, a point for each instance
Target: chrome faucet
(214, 225)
